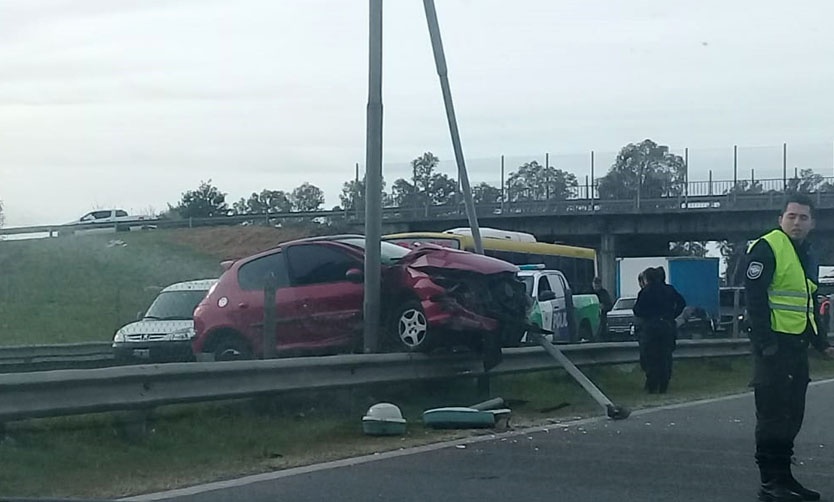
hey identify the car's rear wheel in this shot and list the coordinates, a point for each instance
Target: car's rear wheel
(232, 349)
(408, 328)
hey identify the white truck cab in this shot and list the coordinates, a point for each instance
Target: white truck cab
(550, 288)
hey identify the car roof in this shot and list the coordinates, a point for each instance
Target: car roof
(534, 272)
(236, 262)
(198, 285)
(336, 237)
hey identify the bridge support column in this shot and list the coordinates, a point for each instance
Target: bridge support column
(608, 263)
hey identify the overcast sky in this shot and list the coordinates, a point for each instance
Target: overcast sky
(127, 103)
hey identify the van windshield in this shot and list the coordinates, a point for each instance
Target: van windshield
(175, 305)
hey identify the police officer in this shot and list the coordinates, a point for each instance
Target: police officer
(780, 283)
(657, 306)
(605, 305)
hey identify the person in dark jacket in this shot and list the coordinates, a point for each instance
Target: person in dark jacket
(825, 315)
(657, 306)
(780, 282)
(605, 305)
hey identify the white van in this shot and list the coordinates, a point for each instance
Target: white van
(164, 332)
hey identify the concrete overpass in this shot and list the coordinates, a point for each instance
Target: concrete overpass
(621, 227)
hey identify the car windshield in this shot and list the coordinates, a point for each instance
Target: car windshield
(625, 304)
(391, 253)
(175, 305)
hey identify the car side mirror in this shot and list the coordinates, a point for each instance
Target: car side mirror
(546, 296)
(140, 315)
(355, 276)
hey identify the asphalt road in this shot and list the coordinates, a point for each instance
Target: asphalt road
(700, 452)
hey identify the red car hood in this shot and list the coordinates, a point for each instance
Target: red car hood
(429, 256)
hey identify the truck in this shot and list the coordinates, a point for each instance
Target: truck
(695, 278)
(571, 318)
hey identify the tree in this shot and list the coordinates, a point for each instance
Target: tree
(2, 214)
(533, 181)
(690, 248)
(645, 169)
(426, 186)
(744, 186)
(484, 193)
(307, 197)
(206, 201)
(353, 195)
(808, 181)
(268, 201)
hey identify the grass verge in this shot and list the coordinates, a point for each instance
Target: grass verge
(83, 288)
(185, 445)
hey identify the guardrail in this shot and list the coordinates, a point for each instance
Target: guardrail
(69, 392)
(58, 356)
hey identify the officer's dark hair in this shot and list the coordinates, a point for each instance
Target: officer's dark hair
(653, 276)
(802, 200)
(660, 273)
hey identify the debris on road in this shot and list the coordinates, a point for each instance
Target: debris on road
(483, 415)
(383, 419)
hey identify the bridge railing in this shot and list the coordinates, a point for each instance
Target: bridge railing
(721, 195)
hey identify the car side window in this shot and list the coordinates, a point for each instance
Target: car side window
(121, 213)
(558, 285)
(100, 215)
(319, 264)
(544, 285)
(252, 275)
(88, 217)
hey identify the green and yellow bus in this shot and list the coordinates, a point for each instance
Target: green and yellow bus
(578, 264)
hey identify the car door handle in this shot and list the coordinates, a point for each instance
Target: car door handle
(243, 305)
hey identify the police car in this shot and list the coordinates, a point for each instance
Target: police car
(556, 309)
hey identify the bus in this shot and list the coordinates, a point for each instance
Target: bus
(578, 264)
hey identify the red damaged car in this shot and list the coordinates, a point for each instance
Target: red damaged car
(431, 297)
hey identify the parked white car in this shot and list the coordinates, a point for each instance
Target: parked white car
(621, 320)
(164, 332)
(118, 218)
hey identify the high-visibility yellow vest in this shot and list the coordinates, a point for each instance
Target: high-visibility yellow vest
(790, 294)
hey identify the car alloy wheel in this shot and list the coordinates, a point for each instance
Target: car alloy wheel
(412, 328)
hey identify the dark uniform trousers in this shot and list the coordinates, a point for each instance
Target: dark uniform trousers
(657, 341)
(780, 382)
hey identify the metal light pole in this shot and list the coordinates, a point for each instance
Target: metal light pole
(442, 72)
(373, 182)
(784, 166)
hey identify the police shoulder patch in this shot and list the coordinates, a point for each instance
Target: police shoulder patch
(754, 270)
